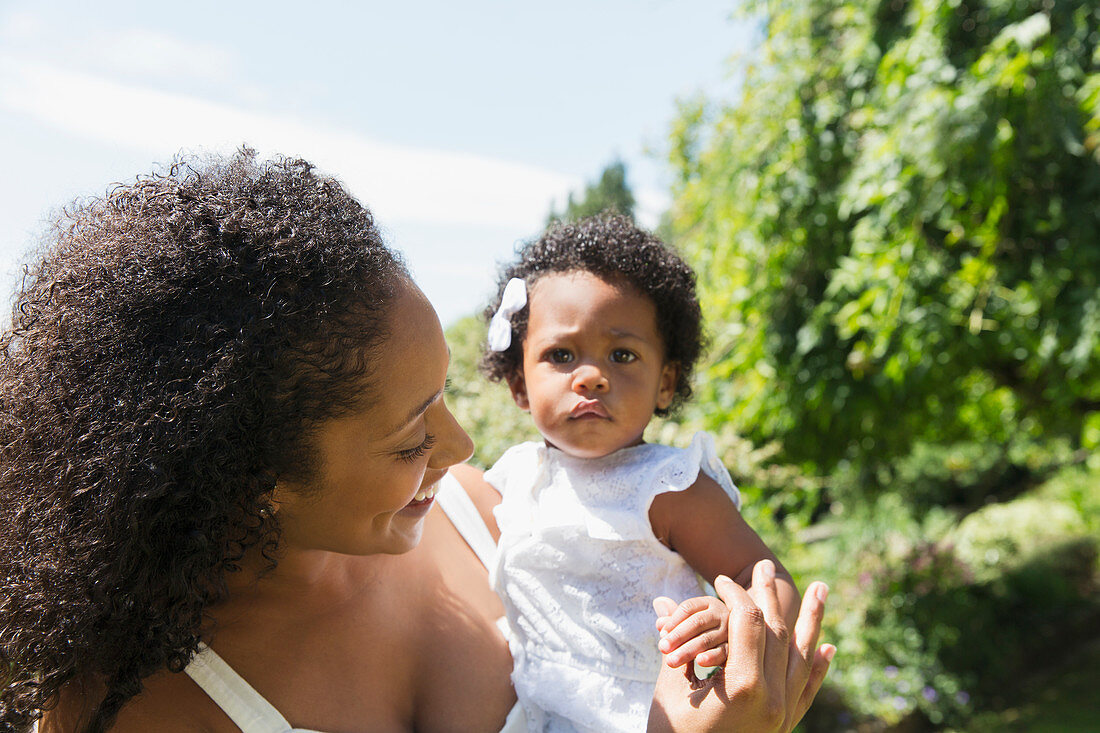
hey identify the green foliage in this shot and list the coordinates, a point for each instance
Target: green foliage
(895, 227)
(1006, 537)
(963, 474)
(610, 192)
(936, 620)
(1077, 487)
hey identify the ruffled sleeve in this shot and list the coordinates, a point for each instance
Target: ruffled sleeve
(679, 469)
(619, 497)
(677, 475)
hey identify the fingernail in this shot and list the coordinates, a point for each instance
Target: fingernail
(828, 651)
(723, 579)
(664, 645)
(822, 592)
(768, 568)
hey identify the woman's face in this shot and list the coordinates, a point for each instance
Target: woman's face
(378, 468)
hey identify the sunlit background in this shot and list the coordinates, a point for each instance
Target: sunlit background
(893, 220)
(458, 124)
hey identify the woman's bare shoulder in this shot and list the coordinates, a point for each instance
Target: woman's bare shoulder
(167, 702)
(172, 702)
(481, 492)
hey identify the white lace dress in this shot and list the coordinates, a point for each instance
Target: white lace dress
(578, 567)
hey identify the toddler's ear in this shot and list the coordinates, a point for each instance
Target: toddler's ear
(519, 391)
(666, 388)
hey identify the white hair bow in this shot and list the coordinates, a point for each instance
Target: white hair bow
(512, 302)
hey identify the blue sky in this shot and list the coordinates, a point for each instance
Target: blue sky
(458, 124)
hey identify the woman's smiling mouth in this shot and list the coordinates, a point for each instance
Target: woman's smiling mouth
(424, 496)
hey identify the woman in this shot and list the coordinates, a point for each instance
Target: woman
(222, 429)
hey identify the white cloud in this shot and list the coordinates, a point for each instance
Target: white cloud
(649, 204)
(17, 25)
(125, 52)
(154, 55)
(399, 182)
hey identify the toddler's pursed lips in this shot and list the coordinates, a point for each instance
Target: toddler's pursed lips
(588, 408)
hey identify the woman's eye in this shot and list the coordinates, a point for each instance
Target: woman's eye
(411, 454)
(622, 356)
(561, 356)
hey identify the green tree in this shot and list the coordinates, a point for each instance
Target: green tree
(896, 228)
(611, 191)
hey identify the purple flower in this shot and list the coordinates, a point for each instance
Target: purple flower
(929, 694)
(899, 703)
(962, 697)
(891, 671)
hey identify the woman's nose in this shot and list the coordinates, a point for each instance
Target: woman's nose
(589, 378)
(454, 445)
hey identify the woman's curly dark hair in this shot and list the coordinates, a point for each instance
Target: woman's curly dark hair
(613, 248)
(171, 350)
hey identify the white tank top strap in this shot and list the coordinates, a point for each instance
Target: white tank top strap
(239, 700)
(460, 509)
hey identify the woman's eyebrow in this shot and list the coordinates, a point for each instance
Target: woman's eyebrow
(415, 413)
(419, 409)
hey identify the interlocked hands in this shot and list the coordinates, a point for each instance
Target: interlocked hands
(771, 674)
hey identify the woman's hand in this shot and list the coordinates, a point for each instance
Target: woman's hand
(771, 675)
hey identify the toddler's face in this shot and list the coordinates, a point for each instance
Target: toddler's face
(594, 364)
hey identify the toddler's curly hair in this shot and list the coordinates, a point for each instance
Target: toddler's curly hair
(615, 249)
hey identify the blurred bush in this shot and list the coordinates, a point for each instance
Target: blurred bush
(895, 227)
(964, 474)
(1004, 538)
(937, 618)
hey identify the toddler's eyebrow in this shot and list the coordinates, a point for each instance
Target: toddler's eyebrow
(622, 333)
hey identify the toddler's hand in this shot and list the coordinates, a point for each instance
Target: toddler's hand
(695, 630)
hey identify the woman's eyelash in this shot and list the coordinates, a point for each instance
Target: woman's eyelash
(411, 454)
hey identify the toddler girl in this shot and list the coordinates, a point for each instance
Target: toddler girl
(595, 329)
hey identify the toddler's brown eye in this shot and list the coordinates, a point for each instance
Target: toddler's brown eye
(622, 356)
(561, 356)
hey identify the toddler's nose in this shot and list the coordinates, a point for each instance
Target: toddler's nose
(588, 378)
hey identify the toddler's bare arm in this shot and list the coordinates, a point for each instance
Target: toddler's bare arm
(703, 525)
